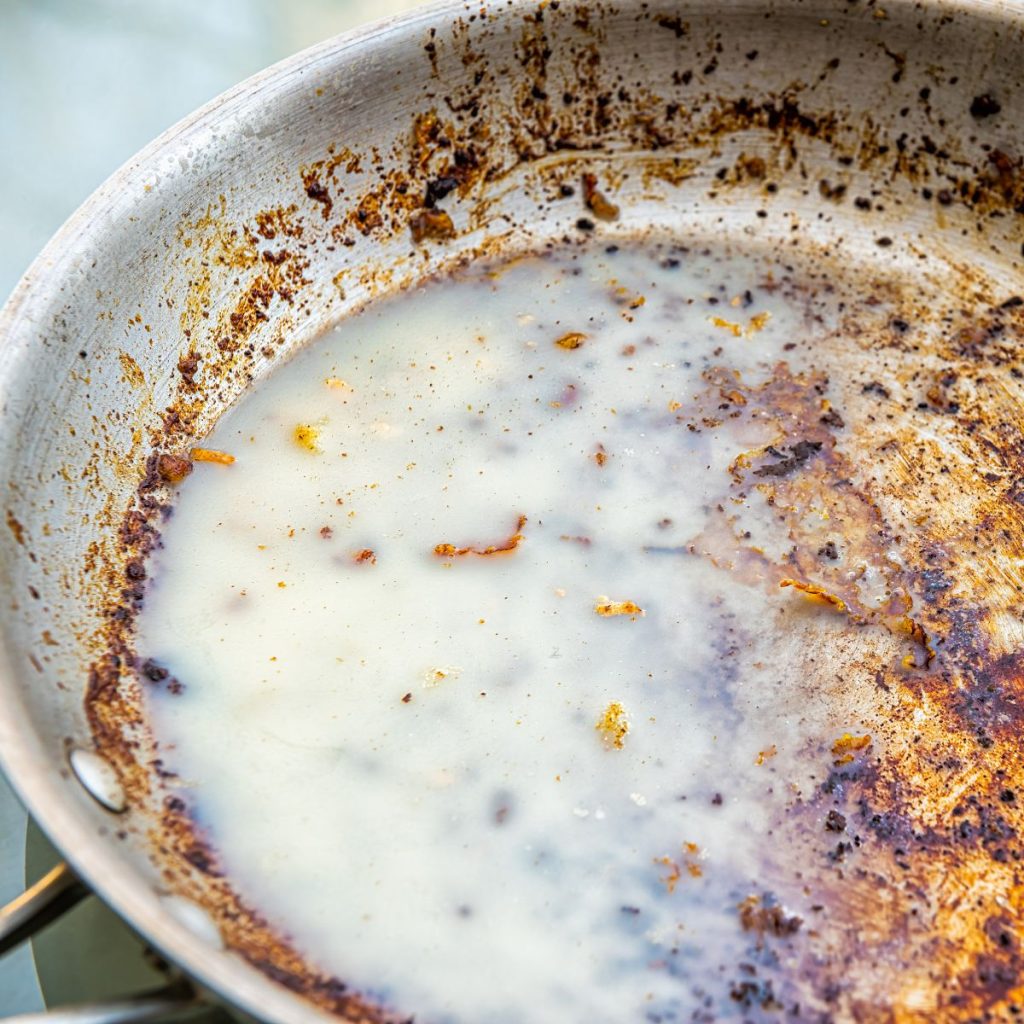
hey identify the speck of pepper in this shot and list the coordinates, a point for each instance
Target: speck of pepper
(716, 800)
(585, 224)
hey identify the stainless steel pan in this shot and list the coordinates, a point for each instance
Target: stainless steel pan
(888, 127)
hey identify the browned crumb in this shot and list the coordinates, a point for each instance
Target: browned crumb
(433, 224)
(846, 745)
(307, 435)
(764, 755)
(571, 340)
(596, 202)
(212, 455)
(757, 323)
(326, 532)
(608, 608)
(814, 591)
(675, 873)
(733, 328)
(407, 699)
(613, 726)
(755, 916)
(366, 555)
(173, 468)
(451, 551)
(918, 634)
(671, 880)
(600, 456)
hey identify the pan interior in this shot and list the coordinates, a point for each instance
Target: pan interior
(589, 614)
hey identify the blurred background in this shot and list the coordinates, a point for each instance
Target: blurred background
(83, 85)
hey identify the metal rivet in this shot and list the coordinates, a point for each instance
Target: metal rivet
(98, 778)
(194, 918)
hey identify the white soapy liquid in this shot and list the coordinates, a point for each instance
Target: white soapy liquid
(397, 759)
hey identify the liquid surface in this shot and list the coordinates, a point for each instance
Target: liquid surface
(497, 676)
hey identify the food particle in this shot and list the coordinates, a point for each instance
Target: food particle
(572, 340)
(596, 201)
(608, 608)
(815, 592)
(435, 225)
(436, 676)
(173, 468)
(847, 744)
(307, 435)
(212, 455)
(766, 917)
(451, 551)
(613, 726)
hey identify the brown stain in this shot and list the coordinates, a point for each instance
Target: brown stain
(132, 371)
(17, 530)
(921, 885)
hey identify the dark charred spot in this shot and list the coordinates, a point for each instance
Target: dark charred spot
(985, 105)
(832, 419)
(438, 188)
(153, 672)
(875, 388)
(202, 859)
(275, 258)
(835, 822)
(765, 916)
(828, 550)
(755, 993)
(319, 194)
(934, 583)
(786, 464)
(674, 24)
